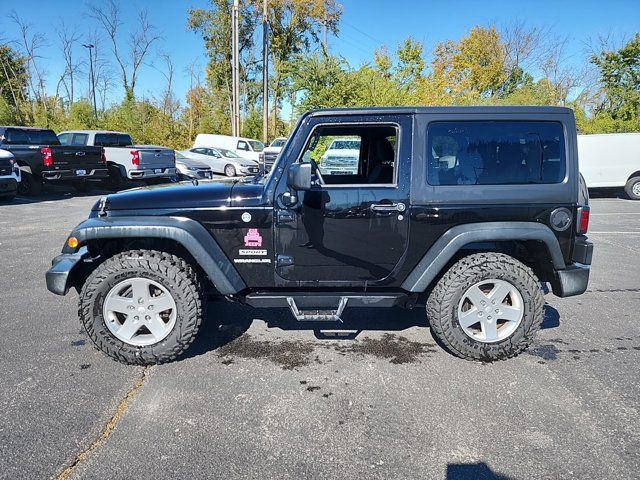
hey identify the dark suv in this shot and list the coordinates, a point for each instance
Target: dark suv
(470, 211)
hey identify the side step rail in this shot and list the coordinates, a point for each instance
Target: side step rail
(317, 315)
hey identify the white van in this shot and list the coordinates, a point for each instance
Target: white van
(611, 160)
(245, 147)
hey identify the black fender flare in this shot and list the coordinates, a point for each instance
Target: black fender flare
(185, 231)
(443, 250)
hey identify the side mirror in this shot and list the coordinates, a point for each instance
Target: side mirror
(299, 176)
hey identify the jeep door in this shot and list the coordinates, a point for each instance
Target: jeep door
(349, 228)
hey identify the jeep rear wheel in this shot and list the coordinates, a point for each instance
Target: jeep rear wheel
(486, 307)
(632, 188)
(142, 307)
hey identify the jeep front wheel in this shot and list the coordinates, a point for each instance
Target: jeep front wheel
(142, 307)
(486, 307)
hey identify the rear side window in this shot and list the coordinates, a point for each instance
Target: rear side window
(79, 139)
(112, 140)
(15, 136)
(495, 153)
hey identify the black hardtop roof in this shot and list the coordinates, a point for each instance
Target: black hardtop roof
(515, 109)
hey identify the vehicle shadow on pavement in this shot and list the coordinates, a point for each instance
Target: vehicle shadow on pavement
(551, 318)
(225, 321)
(473, 471)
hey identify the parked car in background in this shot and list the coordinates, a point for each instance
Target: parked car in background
(244, 147)
(9, 176)
(222, 160)
(42, 158)
(611, 160)
(341, 158)
(272, 151)
(125, 160)
(190, 169)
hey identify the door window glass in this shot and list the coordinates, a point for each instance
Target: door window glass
(79, 139)
(358, 154)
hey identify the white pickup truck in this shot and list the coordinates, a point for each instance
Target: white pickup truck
(611, 160)
(124, 159)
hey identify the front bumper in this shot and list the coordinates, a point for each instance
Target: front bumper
(249, 170)
(196, 174)
(61, 175)
(8, 186)
(151, 173)
(62, 267)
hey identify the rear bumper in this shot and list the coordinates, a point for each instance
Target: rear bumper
(62, 175)
(62, 266)
(574, 279)
(158, 172)
(8, 186)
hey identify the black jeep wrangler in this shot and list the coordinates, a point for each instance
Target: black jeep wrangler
(470, 211)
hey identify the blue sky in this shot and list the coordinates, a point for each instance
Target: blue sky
(365, 25)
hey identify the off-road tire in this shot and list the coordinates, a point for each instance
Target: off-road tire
(173, 273)
(230, 171)
(629, 187)
(29, 184)
(114, 181)
(442, 306)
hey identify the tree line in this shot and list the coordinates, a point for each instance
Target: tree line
(515, 64)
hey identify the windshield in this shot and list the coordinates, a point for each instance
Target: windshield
(346, 145)
(256, 145)
(278, 142)
(180, 155)
(227, 153)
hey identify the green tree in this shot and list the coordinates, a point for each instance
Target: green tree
(14, 78)
(620, 77)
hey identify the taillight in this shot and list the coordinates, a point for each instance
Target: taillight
(583, 220)
(135, 157)
(47, 158)
(103, 158)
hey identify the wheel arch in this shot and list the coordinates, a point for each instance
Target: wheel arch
(634, 175)
(518, 239)
(103, 238)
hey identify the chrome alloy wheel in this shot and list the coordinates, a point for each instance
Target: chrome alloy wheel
(139, 312)
(490, 310)
(636, 189)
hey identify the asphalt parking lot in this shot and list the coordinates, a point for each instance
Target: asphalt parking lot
(257, 398)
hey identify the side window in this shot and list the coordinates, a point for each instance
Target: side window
(202, 151)
(495, 153)
(242, 145)
(358, 154)
(79, 139)
(64, 138)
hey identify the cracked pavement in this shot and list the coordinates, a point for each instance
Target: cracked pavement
(249, 401)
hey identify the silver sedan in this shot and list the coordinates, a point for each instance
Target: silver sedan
(223, 161)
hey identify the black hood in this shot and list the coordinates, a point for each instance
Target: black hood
(186, 195)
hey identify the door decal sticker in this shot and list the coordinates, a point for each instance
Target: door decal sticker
(253, 238)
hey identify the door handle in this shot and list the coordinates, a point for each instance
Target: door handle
(388, 207)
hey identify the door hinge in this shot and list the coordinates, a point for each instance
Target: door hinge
(284, 260)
